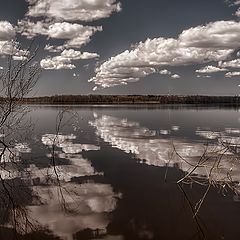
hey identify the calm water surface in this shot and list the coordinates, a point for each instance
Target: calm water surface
(116, 170)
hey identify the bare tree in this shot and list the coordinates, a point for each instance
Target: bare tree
(17, 80)
(217, 174)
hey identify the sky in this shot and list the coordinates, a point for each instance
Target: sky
(185, 47)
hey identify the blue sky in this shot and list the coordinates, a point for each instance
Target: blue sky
(127, 46)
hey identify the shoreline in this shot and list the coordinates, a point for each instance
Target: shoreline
(127, 100)
(133, 100)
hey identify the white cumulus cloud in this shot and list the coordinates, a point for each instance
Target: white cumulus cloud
(212, 42)
(231, 64)
(203, 76)
(165, 72)
(73, 10)
(56, 63)
(13, 49)
(238, 12)
(53, 48)
(211, 69)
(64, 61)
(7, 31)
(76, 55)
(175, 76)
(8, 45)
(31, 29)
(234, 3)
(220, 34)
(232, 74)
(76, 35)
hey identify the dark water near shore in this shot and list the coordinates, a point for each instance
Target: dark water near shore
(116, 172)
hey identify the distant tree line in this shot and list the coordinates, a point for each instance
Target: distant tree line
(132, 99)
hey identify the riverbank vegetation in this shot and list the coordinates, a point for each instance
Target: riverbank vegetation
(133, 99)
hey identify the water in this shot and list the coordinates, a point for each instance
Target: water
(111, 172)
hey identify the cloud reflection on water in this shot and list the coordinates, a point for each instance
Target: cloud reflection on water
(157, 150)
(65, 142)
(88, 204)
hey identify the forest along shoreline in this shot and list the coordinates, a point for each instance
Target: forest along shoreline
(132, 99)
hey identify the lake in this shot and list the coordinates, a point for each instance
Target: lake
(124, 172)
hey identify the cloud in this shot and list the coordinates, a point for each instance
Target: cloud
(52, 48)
(95, 88)
(76, 35)
(90, 202)
(153, 149)
(53, 19)
(165, 72)
(31, 29)
(78, 148)
(57, 139)
(238, 13)
(76, 75)
(13, 49)
(232, 74)
(14, 153)
(175, 128)
(7, 31)
(211, 69)
(212, 42)
(231, 64)
(203, 76)
(73, 10)
(56, 63)
(23, 148)
(8, 45)
(121, 76)
(175, 76)
(76, 55)
(64, 61)
(19, 58)
(208, 134)
(218, 35)
(66, 143)
(236, 2)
